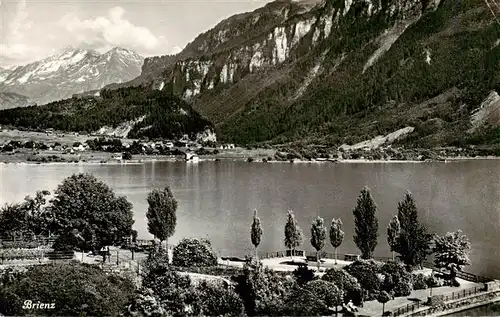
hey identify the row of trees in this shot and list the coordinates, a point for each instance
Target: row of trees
(405, 235)
(85, 214)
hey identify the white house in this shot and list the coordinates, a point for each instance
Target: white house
(118, 156)
(226, 146)
(79, 148)
(191, 157)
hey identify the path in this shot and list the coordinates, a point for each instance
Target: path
(374, 308)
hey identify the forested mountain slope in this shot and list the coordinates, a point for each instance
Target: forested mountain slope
(333, 72)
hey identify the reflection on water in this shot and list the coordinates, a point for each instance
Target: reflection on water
(216, 199)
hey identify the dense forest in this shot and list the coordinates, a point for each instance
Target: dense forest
(166, 115)
(345, 104)
(434, 75)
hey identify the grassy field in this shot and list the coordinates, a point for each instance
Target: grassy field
(34, 156)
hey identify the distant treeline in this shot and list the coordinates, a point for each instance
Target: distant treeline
(167, 116)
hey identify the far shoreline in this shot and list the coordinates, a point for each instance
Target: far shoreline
(140, 159)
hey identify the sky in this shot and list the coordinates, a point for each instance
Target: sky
(34, 29)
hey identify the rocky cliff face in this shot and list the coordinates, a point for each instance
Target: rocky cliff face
(339, 71)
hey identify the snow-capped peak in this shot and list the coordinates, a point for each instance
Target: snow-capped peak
(73, 71)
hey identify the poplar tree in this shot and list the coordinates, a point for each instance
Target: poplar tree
(366, 224)
(318, 237)
(293, 233)
(393, 232)
(414, 241)
(256, 232)
(336, 235)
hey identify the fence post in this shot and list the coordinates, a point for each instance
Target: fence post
(117, 258)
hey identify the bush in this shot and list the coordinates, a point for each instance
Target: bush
(394, 275)
(347, 283)
(366, 272)
(402, 289)
(303, 302)
(172, 290)
(327, 292)
(433, 281)
(127, 155)
(218, 300)
(194, 252)
(146, 304)
(264, 292)
(419, 281)
(74, 289)
(303, 274)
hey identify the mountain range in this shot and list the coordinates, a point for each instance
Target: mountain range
(331, 72)
(69, 72)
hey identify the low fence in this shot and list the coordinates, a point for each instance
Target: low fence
(323, 255)
(463, 275)
(415, 308)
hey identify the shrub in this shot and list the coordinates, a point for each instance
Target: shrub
(264, 292)
(434, 281)
(146, 304)
(218, 300)
(74, 289)
(419, 281)
(402, 289)
(127, 155)
(303, 302)
(347, 283)
(394, 275)
(327, 292)
(173, 290)
(194, 252)
(303, 274)
(366, 272)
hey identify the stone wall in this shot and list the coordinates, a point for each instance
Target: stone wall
(459, 303)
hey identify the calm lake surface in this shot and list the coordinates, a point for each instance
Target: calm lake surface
(216, 199)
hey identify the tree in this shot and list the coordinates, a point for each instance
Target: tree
(347, 283)
(336, 235)
(452, 252)
(318, 237)
(327, 292)
(194, 252)
(393, 232)
(414, 240)
(174, 291)
(383, 297)
(74, 289)
(218, 300)
(263, 291)
(366, 224)
(88, 206)
(293, 233)
(27, 218)
(161, 213)
(127, 155)
(256, 232)
(303, 274)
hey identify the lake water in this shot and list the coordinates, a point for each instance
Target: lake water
(216, 199)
